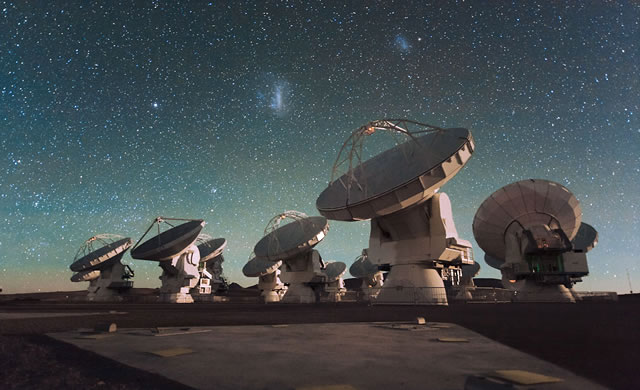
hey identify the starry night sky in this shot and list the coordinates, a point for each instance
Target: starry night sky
(112, 114)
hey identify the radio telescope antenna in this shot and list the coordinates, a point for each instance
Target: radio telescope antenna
(282, 241)
(176, 254)
(210, 267)
(268, 273)
(532, 231)
(370, 274)
(97, 261)
(466, 285)
(210, 247)
(334, 287)
(412, 228)
(289, 216)
(303, 270)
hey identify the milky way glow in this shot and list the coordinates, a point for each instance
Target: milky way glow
(115, 113)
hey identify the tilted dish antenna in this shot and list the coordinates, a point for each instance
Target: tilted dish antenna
(177, 255)
(351, 153)
(397, 178)
(529, 229)
(100, 251)
(363, 268)
(209, 247)
(523, 204)
(283, 241)
(98, 262)
(260, 267)
(334, 287)
(293, 243)
(287, 217)
(412, 228)
(211, 259)
(271, 287)
(586, 239)
(335, 270)
(370, 274)
(467, 286)
(170, 243)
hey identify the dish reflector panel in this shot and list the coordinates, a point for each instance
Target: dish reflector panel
(170, 243)
(102, 257)
(259, 267)
(362, 268)
(335, 270)
(292, 239)
(210, 248)
(586, 238)
(398, 177)
(527, 202)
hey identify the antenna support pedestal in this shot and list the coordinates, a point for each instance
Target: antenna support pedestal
(421, 246)
(108, 287)
(271, 287)
(179, 276)
(298, 273)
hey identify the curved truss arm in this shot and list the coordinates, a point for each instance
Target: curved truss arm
(350, 154)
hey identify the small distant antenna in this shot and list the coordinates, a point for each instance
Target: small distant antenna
(629, 280)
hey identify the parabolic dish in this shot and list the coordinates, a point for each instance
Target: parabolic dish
(493, 262)
(169, 243)
(335, 270)
(260, 267)
(86, 276)
(292, 239)
(398, 177)
(586, 238)
(102, 257)
(211, 249)
(362, 268)
(526, 203)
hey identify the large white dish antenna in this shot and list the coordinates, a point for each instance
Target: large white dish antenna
(110, 251)
(335, 270)
(170, 243)
(525, 203)
(398, 177)
(210, 248)
(363, 268)
(292, 239)
(586, 238)
(257, 267)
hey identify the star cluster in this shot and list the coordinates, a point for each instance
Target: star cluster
(113, 113)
